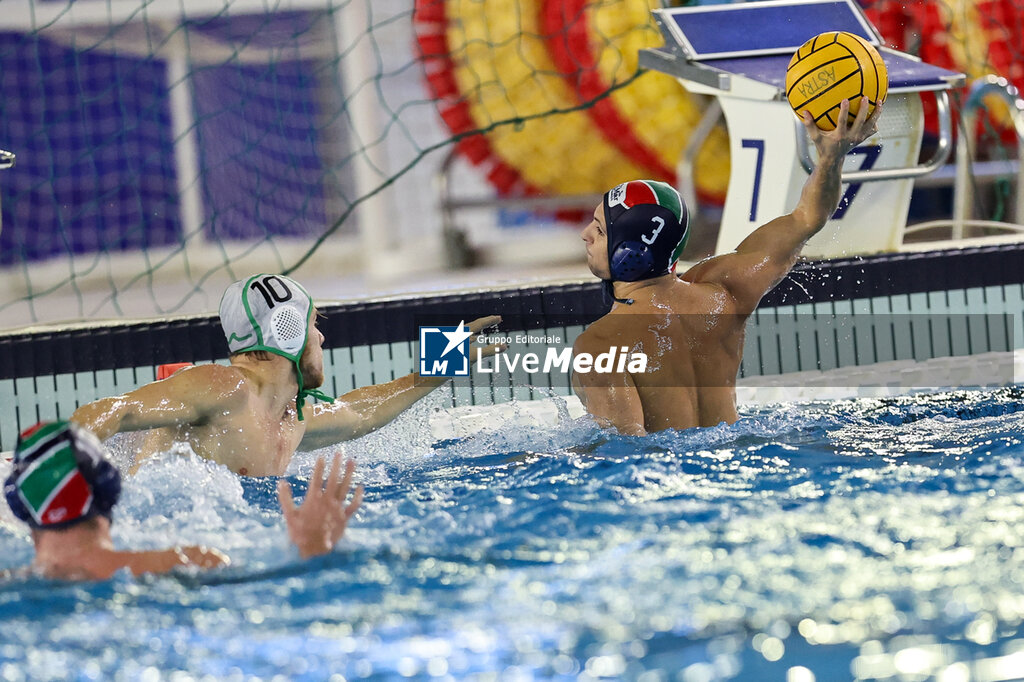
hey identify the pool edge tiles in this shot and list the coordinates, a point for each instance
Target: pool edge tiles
(811, 322)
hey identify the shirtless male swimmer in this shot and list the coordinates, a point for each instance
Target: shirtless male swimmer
(63, 485)
(693, 324)
(249, 416)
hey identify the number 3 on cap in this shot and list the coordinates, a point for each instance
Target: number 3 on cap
(660, 222)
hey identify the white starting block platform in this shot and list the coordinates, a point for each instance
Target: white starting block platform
(739, 54)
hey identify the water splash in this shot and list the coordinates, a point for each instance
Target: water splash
(825, 535)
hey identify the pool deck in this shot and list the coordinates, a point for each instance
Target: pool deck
(66, 306)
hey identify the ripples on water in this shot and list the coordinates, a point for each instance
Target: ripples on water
(872, 539)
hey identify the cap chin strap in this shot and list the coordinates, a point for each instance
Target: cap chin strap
(609, 293)
(300, 397)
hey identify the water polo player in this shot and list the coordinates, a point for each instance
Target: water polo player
(691, 326)
(64, 486)
(250, 416)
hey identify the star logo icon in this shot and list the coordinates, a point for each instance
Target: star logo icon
(444, 351)
(456, 337)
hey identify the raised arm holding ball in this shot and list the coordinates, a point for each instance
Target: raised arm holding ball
(692, 326)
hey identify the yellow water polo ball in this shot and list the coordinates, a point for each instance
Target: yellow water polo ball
(831, 67)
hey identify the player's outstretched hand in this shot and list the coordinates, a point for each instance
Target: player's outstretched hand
(482, 323)
(317, 525)
(477, 326)
(846, 135)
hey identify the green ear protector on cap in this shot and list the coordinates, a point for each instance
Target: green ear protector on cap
(270, 313)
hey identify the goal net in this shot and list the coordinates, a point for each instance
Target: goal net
(167, 147)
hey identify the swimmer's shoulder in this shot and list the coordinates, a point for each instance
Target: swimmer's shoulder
(222, 383)
(608, 330)
(700, 296)
(211, 374)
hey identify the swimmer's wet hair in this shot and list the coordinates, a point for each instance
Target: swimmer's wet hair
(261, 355)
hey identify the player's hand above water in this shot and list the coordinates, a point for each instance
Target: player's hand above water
(477, 326)
(317, 525)
(846, 135)
(481, 323)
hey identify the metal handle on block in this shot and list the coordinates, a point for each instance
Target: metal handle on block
(6, 159)
(963, 190)
(685, 174)
(942, 151)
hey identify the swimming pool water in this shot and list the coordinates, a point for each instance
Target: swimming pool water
(859, 539)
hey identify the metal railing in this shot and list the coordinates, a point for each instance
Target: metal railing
(942, 151)
(963, 189)
(967, 171)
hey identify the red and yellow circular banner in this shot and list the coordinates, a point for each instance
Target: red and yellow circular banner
(532, 75)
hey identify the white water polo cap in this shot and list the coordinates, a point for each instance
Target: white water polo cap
(270, 313)
(267, 312)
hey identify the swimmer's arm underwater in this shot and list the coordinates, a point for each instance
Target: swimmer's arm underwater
(155, 561)
(85, 551)
(765, 257)
(190, 396)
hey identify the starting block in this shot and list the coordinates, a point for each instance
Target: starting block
(739, 54)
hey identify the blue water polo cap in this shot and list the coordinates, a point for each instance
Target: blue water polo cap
(648, 226)
(61, 476)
